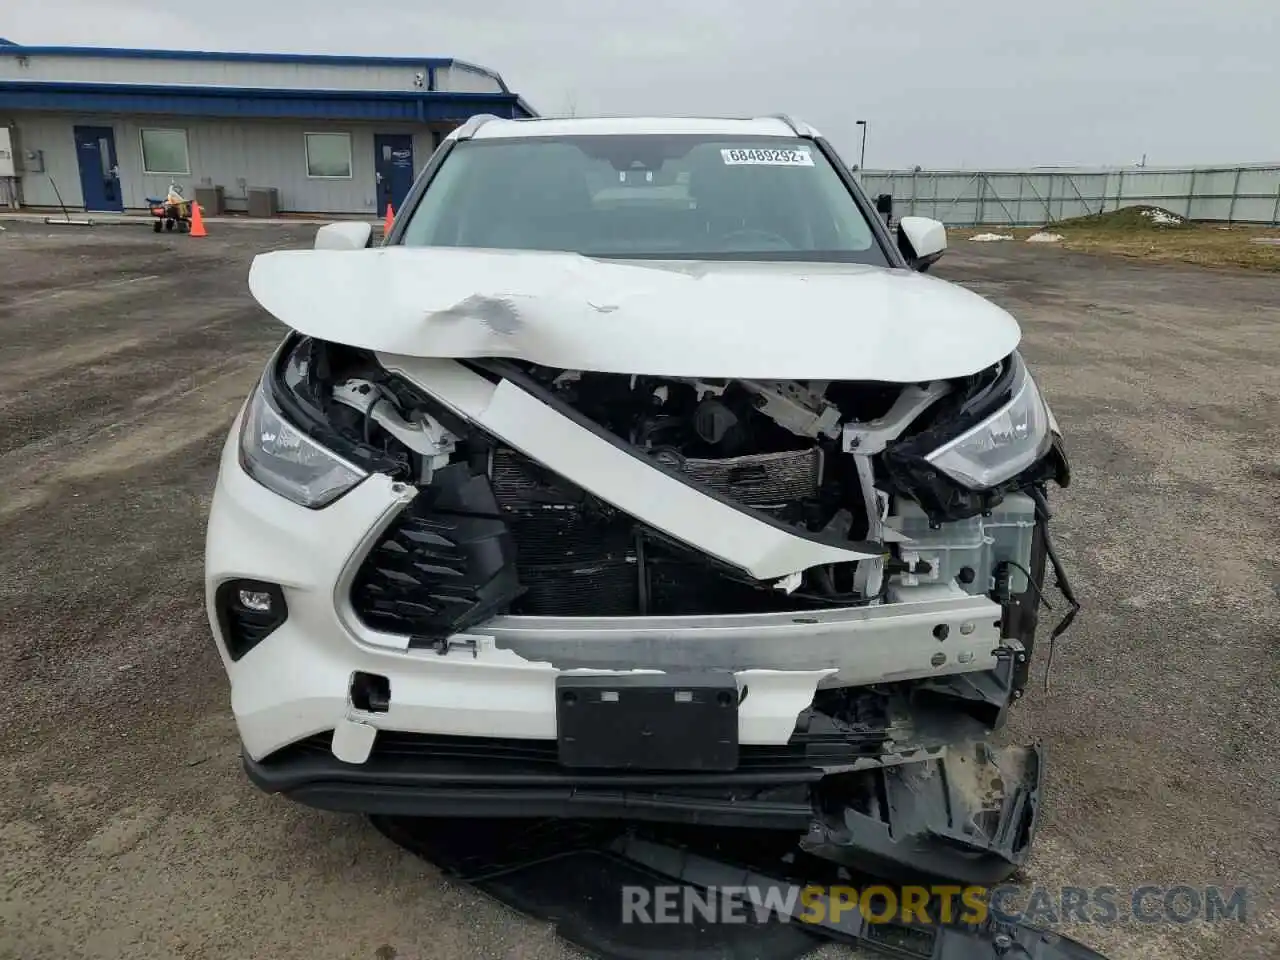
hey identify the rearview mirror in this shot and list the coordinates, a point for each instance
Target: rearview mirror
(343, 236)
(922, 241)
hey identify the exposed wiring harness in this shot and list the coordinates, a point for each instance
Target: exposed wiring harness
(1031, 582)
(1061, 581)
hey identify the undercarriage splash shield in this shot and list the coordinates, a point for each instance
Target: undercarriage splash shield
(578, 876)
(568, 873)
(968, 816)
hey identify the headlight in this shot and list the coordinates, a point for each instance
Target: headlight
(1002, 446)
(283, 459)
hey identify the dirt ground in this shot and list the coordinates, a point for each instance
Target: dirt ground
(128, 831)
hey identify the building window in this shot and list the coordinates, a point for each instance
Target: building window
(165, 152)
(329, 156)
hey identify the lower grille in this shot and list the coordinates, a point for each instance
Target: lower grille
(445, 564)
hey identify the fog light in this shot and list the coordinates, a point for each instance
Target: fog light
(248, 612)
(259, 601)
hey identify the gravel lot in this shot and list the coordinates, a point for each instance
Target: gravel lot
(127, 829)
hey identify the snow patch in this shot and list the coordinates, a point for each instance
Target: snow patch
(989, 237)
(1162, 219)
(1043, 237)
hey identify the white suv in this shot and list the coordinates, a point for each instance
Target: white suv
(641, 473)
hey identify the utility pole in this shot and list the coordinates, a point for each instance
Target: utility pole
(862, 156)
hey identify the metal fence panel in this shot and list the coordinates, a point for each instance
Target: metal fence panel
(1244, 194)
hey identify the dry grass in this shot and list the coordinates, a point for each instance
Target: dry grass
(1128, 233)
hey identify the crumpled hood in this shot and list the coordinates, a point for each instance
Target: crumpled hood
(759, 321)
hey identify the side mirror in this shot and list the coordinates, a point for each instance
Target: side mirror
(922, 241)
(344, 236)
(884, 205)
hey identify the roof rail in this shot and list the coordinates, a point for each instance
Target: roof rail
(798, 127)
(785, 119)
(469, 127)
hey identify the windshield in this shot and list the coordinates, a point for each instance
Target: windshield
(646, 196)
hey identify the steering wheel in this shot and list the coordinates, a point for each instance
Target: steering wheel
(775, 240)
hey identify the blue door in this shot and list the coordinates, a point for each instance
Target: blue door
(394, 166)
(99, 170)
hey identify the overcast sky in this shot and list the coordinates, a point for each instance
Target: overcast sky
(940, 82)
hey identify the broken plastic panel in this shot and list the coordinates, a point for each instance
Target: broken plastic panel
(575, 875)
(968, 816)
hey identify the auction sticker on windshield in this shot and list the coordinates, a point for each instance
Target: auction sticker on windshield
(789, 157)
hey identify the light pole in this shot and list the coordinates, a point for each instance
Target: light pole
(862, 157)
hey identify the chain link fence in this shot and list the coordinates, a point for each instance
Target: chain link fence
(964, 198)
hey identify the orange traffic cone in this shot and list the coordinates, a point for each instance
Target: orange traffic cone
(197, 222)
(388, 220)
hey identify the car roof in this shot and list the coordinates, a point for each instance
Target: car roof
(497, 129)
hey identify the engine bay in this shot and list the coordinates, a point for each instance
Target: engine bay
(771, 447)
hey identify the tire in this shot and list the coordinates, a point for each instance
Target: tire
(184, 226)
(168, 224)
(158, 227)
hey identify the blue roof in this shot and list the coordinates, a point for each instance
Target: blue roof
(184, 100)
(144, 53)
(188, 99)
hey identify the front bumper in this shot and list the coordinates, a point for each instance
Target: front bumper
(499, 679)
(470, 727)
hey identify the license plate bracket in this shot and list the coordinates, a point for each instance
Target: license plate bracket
(648, 722)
